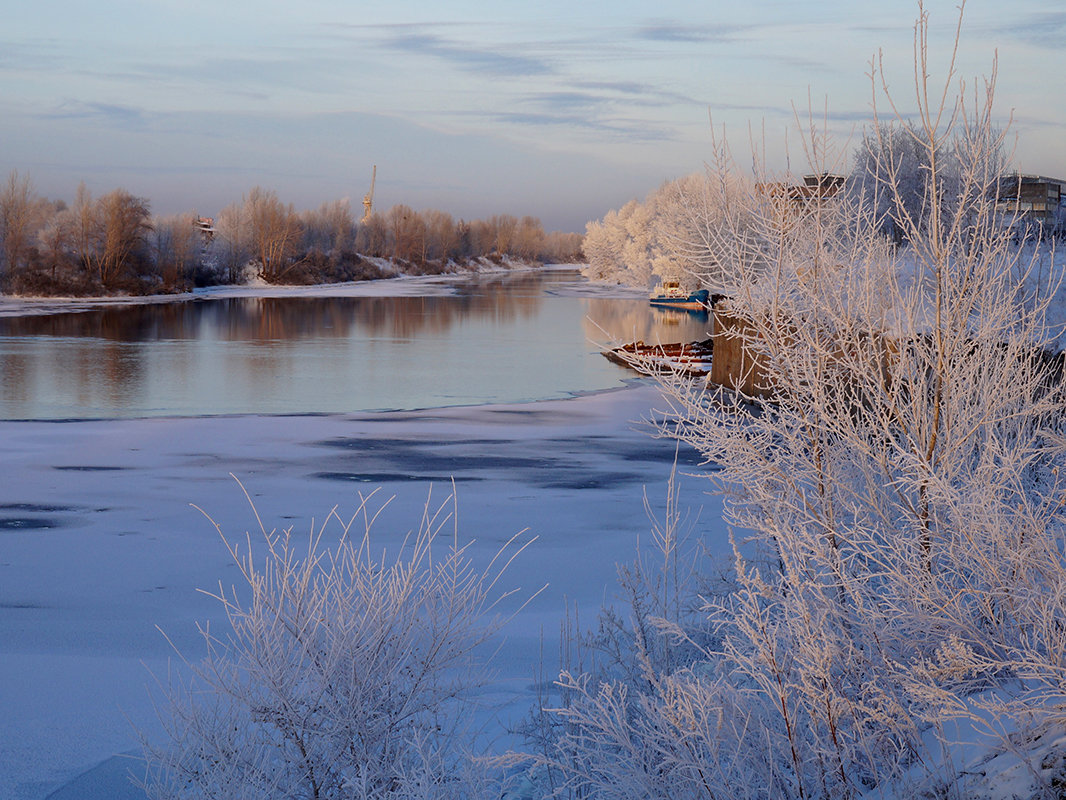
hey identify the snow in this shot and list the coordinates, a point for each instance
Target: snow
(101, 544)
(402, 286)
(101, 549)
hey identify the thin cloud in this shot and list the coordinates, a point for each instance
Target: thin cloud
(123, 116)
(1045, 29)
(805, 64)
(627, 130)
(37, 55)
(469, 57)
(653, 95)
(254, 76)
(1029, 121)
(622, 87)
(568, 100)
(565, 101)
(686, 33)
(792, 111)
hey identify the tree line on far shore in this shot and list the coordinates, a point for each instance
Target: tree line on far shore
(113, 243)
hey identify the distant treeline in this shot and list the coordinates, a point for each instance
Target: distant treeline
(112, 243)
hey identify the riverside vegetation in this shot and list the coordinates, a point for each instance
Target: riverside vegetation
(112, 244)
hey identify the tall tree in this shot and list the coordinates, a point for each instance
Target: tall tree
(21, 212)
(372, 236)
(329, 229)
(503, 227)
(85, 233)
(55, 238)
(275, 233)
(124, 226)
(442, 235)
(232, 245)
(176, 243)
(407, 233)
(528, 238)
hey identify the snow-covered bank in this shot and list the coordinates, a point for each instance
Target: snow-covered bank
(398, 286)
(100, 544)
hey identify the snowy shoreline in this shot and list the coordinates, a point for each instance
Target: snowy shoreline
(398, 286)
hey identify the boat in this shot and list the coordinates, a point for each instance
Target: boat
(688, 358)
(671, 294)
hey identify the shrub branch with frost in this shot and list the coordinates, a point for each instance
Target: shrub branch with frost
(898, 501)
(345, 671)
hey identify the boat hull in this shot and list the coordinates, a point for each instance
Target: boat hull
(697, 301)
(685, 358)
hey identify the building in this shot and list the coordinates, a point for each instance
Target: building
(1033, 201)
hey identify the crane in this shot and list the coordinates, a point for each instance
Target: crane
(368, 198)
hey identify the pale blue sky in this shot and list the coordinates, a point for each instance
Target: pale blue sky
(559, 109)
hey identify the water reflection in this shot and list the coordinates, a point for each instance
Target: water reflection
(619, 321)
(505, 339)
(247, 319)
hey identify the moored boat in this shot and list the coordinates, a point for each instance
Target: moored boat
(671, 294)
(689, 358)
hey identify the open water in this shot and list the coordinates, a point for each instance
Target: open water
(507, 338)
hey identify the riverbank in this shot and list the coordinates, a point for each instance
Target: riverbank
(398, 285)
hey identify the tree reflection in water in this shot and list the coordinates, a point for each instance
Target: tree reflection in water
(499, 339)
(617, 322)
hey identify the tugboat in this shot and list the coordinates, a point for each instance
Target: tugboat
(671, 295)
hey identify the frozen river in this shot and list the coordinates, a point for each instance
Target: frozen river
(100, 548)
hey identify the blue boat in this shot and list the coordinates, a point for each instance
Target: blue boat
(670, 294)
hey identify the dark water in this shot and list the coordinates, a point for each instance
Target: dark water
(522, 337)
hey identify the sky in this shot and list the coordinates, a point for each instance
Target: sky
(562, 110)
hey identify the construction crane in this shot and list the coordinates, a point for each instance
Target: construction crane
(368, 198)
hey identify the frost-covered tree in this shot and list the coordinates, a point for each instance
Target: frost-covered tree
(672, 235)
(372, 236)
(528, 238)
(442, 235)
(22, 214)
(503, 228)
(618, 247)
(260, 234)
(124, 222)
(561, 247)
(896, 152)
(231, 247)
(602, 249)
(108, 233)
(697, 218)
(893, 153)
(407, 233)
(329, 229)
(54, 241)
(896, 495)
(275, 232)
(177, 244)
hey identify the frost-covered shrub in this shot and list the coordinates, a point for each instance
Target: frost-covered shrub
(345, 671)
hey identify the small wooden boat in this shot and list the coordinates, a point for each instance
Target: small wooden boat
(689, 358)
(672, 295)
